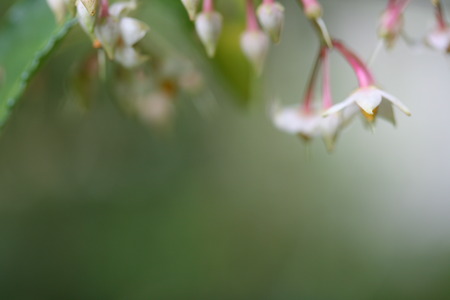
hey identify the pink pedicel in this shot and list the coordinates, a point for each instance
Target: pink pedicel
(326, 92)
(208, 6)
(252, 21)
(363, 74)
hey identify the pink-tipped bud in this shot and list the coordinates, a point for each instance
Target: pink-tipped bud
(312, 8)
(191, 7)
(209, 28)
(271, 18)
(391, 22)
(255, 45)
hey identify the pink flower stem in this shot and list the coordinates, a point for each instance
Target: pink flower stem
(269, 1)
(394, 10)
(208, 6)
(252, 21)
(363, 74)
(309, 94)
(104, 9)
(326, 93)
(309, 3)
(440, 18)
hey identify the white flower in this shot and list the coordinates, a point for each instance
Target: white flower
(209, 27)
(308, 125)
(118, 34)
(156, 109)
(371, 100)
(255, 45)
(271, 17)
(439, 39)
(191, 7)
(295, 120)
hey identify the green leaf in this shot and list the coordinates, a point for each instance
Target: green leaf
(28, 34)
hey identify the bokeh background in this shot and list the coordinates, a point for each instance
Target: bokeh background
(95, 205)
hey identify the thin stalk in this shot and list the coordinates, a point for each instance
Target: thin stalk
(363, 74)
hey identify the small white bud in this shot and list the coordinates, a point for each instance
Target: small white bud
(313, 10)
(271, 17)
(59, 9)
(191, 7)
(86, 20)
(209, 28)
(91, 6)
(255, 45)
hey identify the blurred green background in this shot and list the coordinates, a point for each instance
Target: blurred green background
(95, 205)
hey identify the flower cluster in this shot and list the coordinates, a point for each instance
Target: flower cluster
(116, 34)
(108, 26)
(263, 24)
(391, 26)
(327, 120)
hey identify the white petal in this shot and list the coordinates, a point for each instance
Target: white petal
(340, 106)
(330, 127)
(368, 99)
(386, 112)
(86, 20)
(255, 45)
(191, 7)
(348, 113)
(91, 6)
(396, 102)
(108, 33)
(132, 30)
(59, 9)
(439, 39)
(129, 57)
(120, 9)
(293, 121)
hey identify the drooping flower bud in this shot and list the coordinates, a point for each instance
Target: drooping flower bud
(255, 45)
(254, 42)
(391, 22)
(59, 9)
(191, 7)
(86, 20)
(209, 27)
(439, 37)
(271, 17)
(312, 9)
(91, 6)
